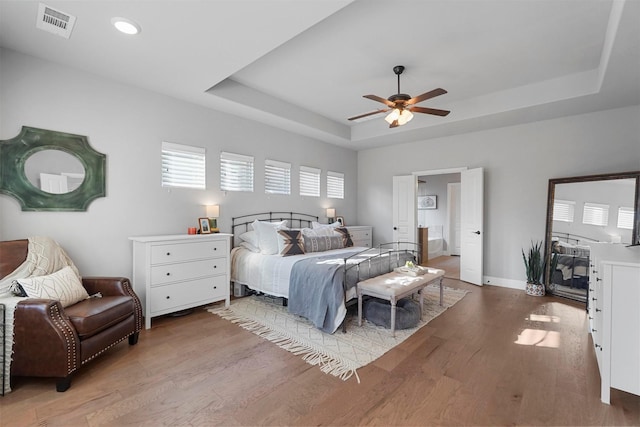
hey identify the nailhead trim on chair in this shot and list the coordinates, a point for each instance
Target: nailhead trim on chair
(66, 330)
(138, 306)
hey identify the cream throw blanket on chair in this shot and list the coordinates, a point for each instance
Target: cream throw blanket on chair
(44, 257)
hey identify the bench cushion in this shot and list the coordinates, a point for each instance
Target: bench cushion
(93, 315)
(378, 312)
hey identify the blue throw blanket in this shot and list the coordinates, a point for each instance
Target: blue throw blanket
(316, 291)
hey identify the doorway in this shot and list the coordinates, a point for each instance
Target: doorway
(408, 212)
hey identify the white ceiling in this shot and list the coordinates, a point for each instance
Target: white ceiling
(304, 65)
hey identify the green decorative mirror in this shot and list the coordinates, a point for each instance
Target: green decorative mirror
(47, 170)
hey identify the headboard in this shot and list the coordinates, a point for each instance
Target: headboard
(240, 224)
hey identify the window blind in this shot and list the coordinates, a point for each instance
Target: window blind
(595, 214)
(183, 166)
(309, 181)
(563, 210)
(236, 172)
(625, 218)
(277, 177)
(335, 185)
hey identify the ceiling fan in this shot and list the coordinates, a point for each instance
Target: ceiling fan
(402, 105)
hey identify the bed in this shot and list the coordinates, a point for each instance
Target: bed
(572, 270)
(313, 266)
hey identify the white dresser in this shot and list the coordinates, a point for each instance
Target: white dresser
(361, 235)
(614, 316)
(177, 272)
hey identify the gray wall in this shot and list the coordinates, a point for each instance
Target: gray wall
(129, 125)
(518, 161)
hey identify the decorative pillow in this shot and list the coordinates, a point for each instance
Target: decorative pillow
(290, 242)
(63, 285)
(322, 243)
(249, 246)
(251, 237)
(268, 236)
(346, 237)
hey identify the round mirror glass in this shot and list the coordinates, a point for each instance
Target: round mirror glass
(54, 171)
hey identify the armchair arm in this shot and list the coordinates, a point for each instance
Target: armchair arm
(45, 341)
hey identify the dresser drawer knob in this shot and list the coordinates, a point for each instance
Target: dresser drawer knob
(168, 297)
(215, 249)
(168, 253)
(215, 287)
(168, 274)
(215, 266)
(598, 310)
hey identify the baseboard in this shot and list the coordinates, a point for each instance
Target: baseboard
(504, 283)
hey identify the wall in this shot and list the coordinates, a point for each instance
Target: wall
(129, 125)
(518, 161)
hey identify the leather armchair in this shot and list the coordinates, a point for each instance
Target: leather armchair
(52, 341)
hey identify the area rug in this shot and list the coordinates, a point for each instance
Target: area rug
(339, 354)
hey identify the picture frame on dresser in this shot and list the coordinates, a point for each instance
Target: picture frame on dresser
(204, 225)
(340, 219)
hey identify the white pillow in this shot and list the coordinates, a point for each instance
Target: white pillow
(325, 229)
(63, 285)
(251, 237)
(268, 235)
(250, 247)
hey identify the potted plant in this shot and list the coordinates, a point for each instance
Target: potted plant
(534, 265)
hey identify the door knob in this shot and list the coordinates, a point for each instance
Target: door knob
(476, 232)
(395, 228)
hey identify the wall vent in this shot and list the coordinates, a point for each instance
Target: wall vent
(55, 21)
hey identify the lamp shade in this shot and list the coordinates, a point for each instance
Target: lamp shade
(331, 213)
(213, 211)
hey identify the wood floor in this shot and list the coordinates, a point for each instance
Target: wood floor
(498, 357)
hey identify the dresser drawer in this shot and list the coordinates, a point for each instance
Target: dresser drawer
(188, 294)
(168, 273)
(178, 252)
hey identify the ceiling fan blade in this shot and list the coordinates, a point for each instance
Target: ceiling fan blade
(394, 124)
(379, 99)
(368, 114)
(425, 96)
(433, 111)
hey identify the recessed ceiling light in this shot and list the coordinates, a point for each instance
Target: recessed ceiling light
(126, 26)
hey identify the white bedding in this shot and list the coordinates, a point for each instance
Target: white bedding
(270, 273)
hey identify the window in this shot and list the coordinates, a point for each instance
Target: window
(335, 185)
(563, 210)
(595, 214)
(309, 181)
(236, 172)
(183, 166)
(277, 177)
(625, 218)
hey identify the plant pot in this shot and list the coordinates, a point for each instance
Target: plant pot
(535, 289)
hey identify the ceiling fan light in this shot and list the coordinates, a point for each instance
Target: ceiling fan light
(392, 116)
(405, 117)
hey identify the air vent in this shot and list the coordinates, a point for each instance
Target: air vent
(55, 21)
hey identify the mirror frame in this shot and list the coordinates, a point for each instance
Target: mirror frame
(635, 233)
(14, 153)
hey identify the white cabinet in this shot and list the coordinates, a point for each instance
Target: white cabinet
(361, 235)
(177, 272)
(614, 318)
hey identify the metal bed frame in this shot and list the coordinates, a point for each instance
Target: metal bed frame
(395, 252)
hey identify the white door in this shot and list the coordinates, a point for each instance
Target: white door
(471, 227)
(453, 201)
(404, 206)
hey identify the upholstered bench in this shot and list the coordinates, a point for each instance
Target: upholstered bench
(394, 286)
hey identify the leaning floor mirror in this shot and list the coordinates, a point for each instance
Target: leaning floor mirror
(582, 210)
